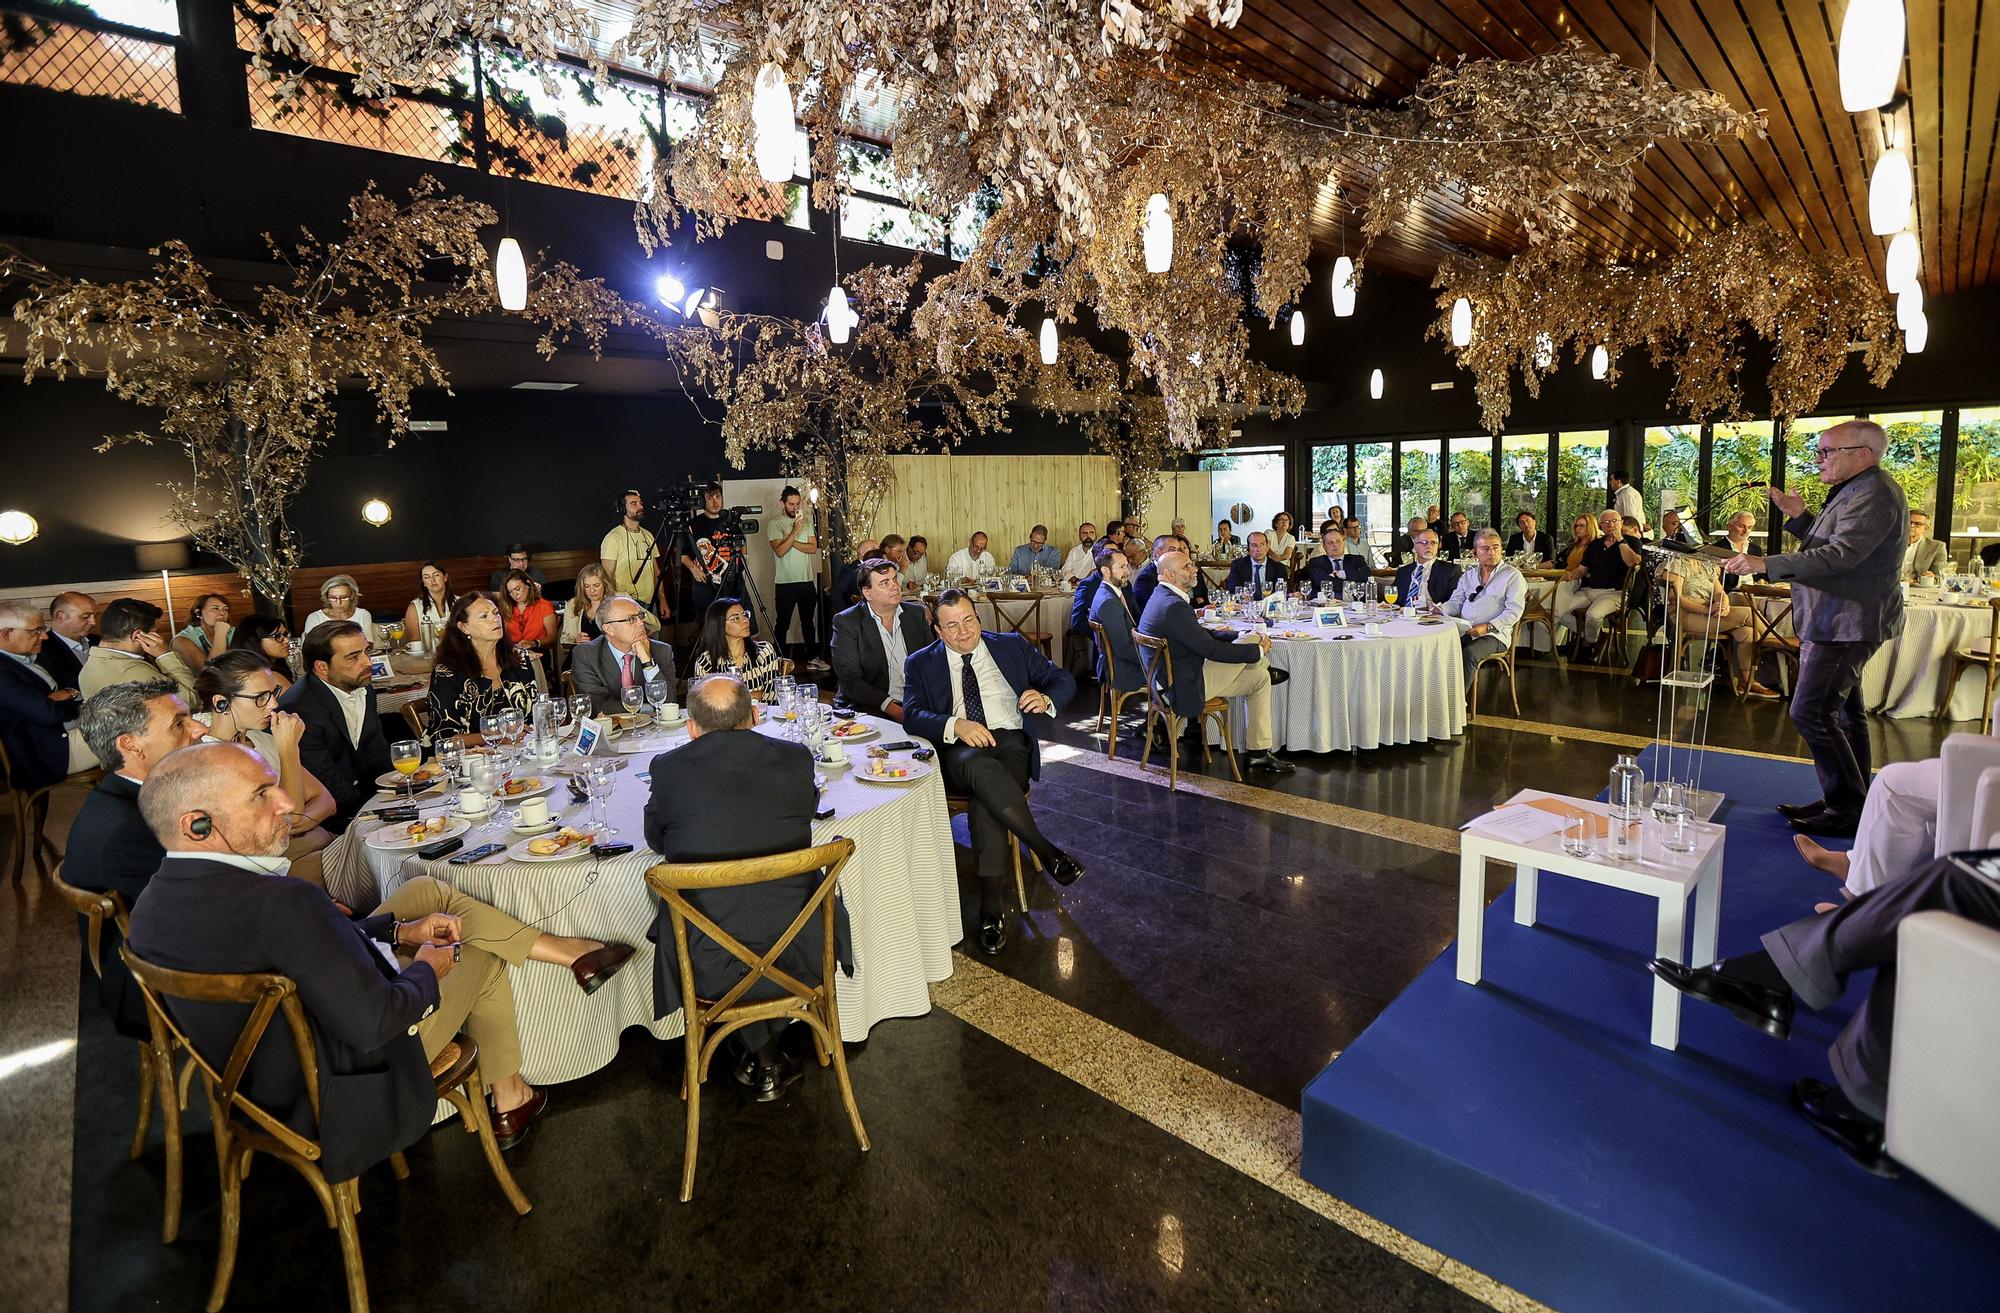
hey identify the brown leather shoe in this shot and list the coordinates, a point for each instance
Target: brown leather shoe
(599, 965)
(511, 1127)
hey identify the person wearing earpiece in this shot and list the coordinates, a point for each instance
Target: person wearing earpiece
(238, 692)
(385, 993)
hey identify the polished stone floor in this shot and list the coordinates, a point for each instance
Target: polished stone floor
(1102, 1117)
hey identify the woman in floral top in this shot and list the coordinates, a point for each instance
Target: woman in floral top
(478, 672)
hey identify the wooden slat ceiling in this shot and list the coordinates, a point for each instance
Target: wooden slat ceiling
(1808, 177)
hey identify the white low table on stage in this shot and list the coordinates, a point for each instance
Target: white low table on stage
(1669, 877)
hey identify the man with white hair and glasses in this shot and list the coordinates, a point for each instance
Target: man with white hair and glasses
(1845, 605)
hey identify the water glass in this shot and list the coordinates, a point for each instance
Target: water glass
(656, 692)
(450, 757)
(631, 698)
(601, 775)
(1579, 834)
(579, 708)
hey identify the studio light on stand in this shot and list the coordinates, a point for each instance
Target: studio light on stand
(670, 289)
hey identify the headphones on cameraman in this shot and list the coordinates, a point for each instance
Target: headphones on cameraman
(630, 492)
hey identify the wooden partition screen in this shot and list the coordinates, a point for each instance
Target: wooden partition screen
(947, 498)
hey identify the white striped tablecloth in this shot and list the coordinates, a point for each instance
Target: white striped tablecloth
(1405, 685)
(900, 888)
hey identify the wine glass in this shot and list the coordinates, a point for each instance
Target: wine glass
(631, 698)
(656, 694)
(579, 708)
(450, 756)
(406, 755)
(600, 773)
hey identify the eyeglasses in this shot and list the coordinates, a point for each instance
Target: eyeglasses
(734, 616)
(259, 700)
(621, 620)
(1820, 453)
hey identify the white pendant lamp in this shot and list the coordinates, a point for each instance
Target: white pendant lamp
(1902, 260)
(1545, 351)
(1909, 306)
(510, 275)
(1600, 362)
(1889, 190)
(1343, 287)
(840, 319)
(1375, 384)
(1298, 328)
(1871, 53)
(1461, 322)
(1048, 341)
(772, 124)
(1916, 334)
(1159, 234)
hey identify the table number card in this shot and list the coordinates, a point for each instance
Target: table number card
(378, 668)
(590, 730)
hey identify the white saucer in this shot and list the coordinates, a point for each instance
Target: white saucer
(833, 767)
(532, 830)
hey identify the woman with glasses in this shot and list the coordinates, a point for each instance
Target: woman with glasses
(340, 599)
(269, 637)
(1582, 533)
(478, 672)
(237, 694)
(725, 645)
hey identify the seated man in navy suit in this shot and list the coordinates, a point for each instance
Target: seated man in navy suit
(983, 700)
(34, 712)
(1207, 664)
(1257, 571)
(1112, 607)
(1426, 580)
(1335, 566)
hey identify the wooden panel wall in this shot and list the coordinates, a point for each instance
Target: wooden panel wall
(947, 498)
(1183, 495)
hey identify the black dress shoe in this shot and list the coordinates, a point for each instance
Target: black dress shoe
(1858, 1135)
(1279, 676)
(773, 1077)
(1270, 765)
(1769, 1010)
(599, 965)
(1832, 824)
(1794, 811)
(745, 1069)
(1065, 869)
(992, 934)
(511, 1127)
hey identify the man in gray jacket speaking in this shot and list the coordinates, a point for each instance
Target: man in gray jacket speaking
(1845, 604)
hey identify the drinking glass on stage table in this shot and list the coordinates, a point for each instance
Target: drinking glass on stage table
(1676, 817)
(406, 755)
(1579, 834)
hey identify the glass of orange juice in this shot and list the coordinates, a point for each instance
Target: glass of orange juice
(406, 755)
(1389, 594)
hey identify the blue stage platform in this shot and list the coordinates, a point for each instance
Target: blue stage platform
(1525, 1126)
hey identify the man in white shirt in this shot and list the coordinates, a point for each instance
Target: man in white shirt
(1487, 603)
(1625, 498)
(971, 561)
(916, 567)
(1081, 563)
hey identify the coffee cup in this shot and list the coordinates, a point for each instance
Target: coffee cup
(471, 802)
(835, 751)
(1373, 630)
(1410, 612)
(668, 712)
(534, 811)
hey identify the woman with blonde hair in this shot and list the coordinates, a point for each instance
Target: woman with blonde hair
(340, 599)
(579, 614)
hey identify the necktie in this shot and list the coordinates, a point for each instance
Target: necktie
(1417, 586)
(975, 709)
(628, 677)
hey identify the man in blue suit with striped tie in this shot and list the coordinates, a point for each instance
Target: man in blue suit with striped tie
(983, 700)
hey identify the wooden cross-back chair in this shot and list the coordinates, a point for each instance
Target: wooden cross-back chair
(1504, 658)
(1158, 661)
(156, 1077)
(710, 1021)
(1770, 610)
(1022, 615)
(1982, 654)
(1110, 701)
(30, 810)
(243, 1128)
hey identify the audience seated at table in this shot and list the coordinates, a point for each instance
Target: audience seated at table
(344, 745)
(1034, 554)
(1596, 585)
(1280, 539)
(1741, 525)
(34, 713)
(1486, 603)
(984, 700)
(579, 614)
(1924, 560)
(384, 994)
(1259, 571)
(1335, 566)
(1432, 517)
(1401, 548)
(1812, 959)
(530, 617)
(129, 648)
(340, 599)
(518, 558)
(625, 655)
(238, 696)
(1582, 533)
(917, 568)
(479, 672)
(71, 618)
(1207, 665)
(726, 758)
(1137, 552)
(206, 632)
(1456, 541)
(1081, 562)
(1672, 530)
(1426, 580)
(725, 647)
(432, 605)
(1703, 609)
(1527, 538)
(131, 727)
(971, 561)
(1356, 545)
(269, 637)
(872, 639)
(846, 590)
(1146, 576)
(1111, 605)
(1227, 546)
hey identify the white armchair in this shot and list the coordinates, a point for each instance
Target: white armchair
(1962, 791)
(1946, 1061)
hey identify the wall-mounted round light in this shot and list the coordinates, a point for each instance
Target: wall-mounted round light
(17, 527)
(1461, 322)
(1375, 385)
(375, 511)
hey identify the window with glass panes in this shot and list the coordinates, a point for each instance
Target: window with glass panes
(1374, 498)
(1471, 481)
(1975, 494)
(1672, 478)
(1328, 488)
(1420, 488)
(1524, 479)
(1740, 453)
(1583, 472)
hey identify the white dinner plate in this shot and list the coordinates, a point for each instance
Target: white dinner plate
(428, 776)
(864, 733)
(919, 772)
(545, 784)
(519, 852)
(395, 838)
(627, 745)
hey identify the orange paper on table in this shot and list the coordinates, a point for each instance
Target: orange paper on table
(1600, 823)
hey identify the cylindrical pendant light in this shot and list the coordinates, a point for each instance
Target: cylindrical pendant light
(1461, 322)
(1909, 306)
(510, 275)
(1890, 187)
(1871, 53)
(774, 129)
(1343, 287)
(1903, 256)
(1298, 328)
(1916, 334)
(840, 320)
(1375, 384)
(1545, 351)
(1600, 362)
(1048, 341)
(1159, 234)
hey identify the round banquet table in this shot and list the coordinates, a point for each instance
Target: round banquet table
(900, 888)
(1405, 686)
(1901, 680)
